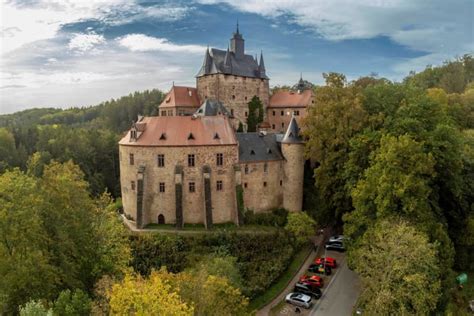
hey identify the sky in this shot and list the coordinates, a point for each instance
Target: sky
(79, 53)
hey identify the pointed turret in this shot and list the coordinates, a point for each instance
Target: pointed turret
(207, 65)
(261, 66)
(227, 61)
(292, 134)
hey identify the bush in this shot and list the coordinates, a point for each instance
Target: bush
(72, 304)
(276, 217)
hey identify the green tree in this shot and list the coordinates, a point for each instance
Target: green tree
(399, 270)
(35, 308)
(75, 303)
(7, 150)
(301, 226)
(336, 116)
(255, 114)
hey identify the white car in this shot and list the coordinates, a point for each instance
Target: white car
(299, 299)
(336, 238)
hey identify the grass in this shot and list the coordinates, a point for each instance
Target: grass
(282, 281)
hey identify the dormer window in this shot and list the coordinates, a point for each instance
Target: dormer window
(269, 151)
(191, 136)
(163, 136)
(190, 93)
(216, 136)
(252, 152)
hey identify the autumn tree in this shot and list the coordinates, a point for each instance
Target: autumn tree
(140, 296)
(399, 270)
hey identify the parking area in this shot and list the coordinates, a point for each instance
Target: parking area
(339, 293)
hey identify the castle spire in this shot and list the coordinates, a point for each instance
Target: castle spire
(261, 66)
(237, 29)
(227, 61)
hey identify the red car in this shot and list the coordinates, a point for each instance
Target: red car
(330, 262)
(313, 281)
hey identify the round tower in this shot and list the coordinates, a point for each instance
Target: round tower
(292, 148)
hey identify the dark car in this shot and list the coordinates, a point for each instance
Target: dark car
(320, 269)
(336, 245)
(307, 289)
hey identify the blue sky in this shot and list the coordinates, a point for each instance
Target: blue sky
(79, 53)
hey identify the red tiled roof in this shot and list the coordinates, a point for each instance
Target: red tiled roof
(176, 130)
(284, 99)
(181, 96)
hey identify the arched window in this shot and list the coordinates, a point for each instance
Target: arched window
(161, 219)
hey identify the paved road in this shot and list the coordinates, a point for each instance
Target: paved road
(340, 295)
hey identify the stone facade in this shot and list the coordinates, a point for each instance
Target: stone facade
(164, 203)
(279, 118)
(235, 92)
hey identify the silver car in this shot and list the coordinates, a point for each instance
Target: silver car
(299, 299)
(336, 238)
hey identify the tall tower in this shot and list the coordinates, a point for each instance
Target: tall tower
(237, 44)
(292, 148)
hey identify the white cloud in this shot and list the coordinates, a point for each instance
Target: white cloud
(85, 42)
(144, 43)
(436, 27)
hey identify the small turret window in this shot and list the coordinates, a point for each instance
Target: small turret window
(216, 136)
(191, 136)
(163, 136)
(252, 152)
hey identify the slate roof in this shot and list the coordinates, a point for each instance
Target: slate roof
(292, 135)
(183, 131)
(181, 96)
(288, 99)
(258, 147)
(212, 108)
(215, 62)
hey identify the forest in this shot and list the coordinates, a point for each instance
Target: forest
(392, 166)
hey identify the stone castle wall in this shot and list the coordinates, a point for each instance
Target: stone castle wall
(233, 91)
(279, 118)
(262, 189)
(294, 174)
(156, 202)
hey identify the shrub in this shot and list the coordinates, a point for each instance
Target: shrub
(276, 217)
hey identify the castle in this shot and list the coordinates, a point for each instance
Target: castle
(189, 165)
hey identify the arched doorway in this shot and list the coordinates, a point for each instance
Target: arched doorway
(161, 219)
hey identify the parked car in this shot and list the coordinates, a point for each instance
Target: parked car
(307, 289)
(328, 261)
(336, 238)
(313, 280)
(320, 269)
(336, 245)
(299, 299)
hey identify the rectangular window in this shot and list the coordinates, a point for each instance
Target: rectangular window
(246, 114)
(192, 187)
(162, 187)
(282, 125)
(191, 161)
(220, 159)
(132, 185)
(246, 169)
(132, 160)
(264, 184)
(296, 113)
(163, 113)
(273, 126)
(282, 113)
(245, 185)
(161, 160)
(232, 112)
(219, 185)
(265, 167)
(274, 113)
(281, 182)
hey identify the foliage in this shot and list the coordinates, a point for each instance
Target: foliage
(151, 296)
(35, 308)
(398, 268)
(75, 303)
(54, 236)
(301, 226)
(335, 118)
(276, 217)
(218, 265)
(255, 114)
